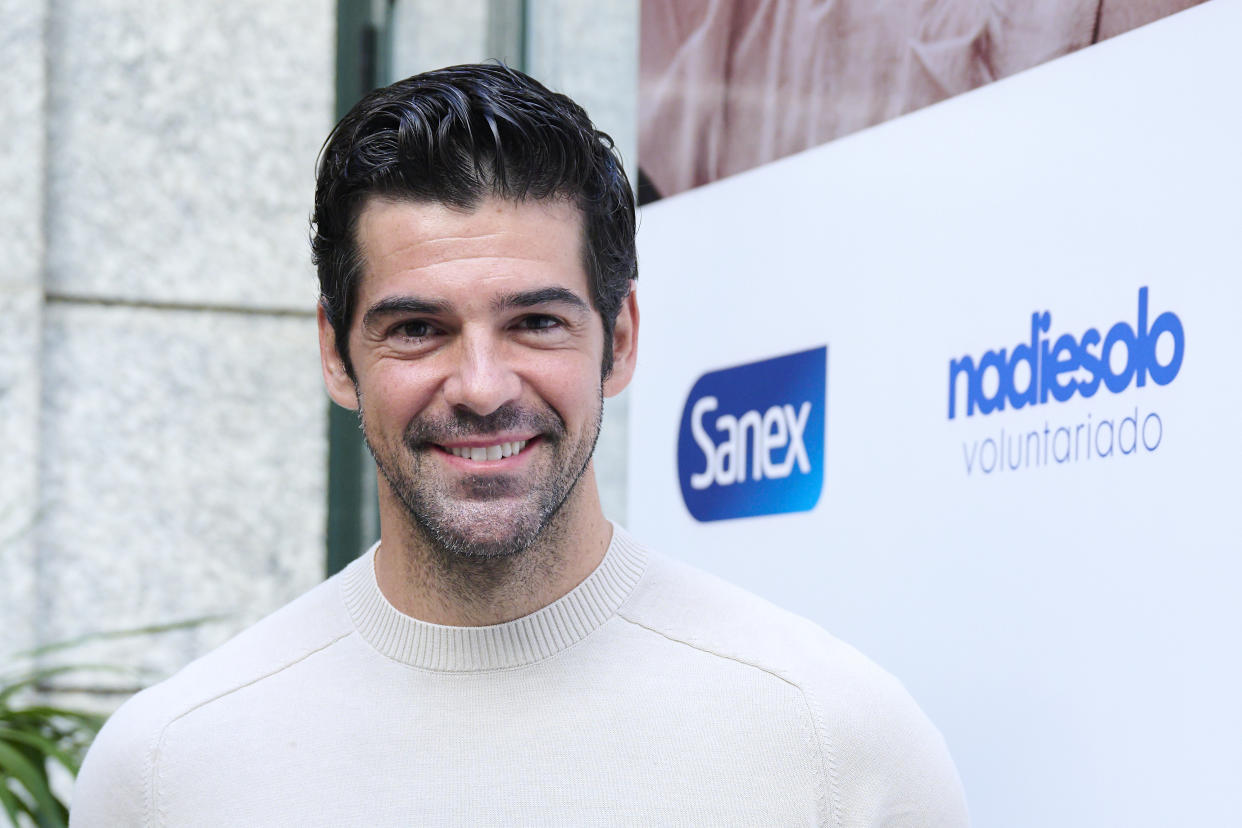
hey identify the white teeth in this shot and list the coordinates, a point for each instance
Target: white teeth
(495, 452)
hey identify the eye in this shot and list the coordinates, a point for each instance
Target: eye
(413, 329)
(538, 322)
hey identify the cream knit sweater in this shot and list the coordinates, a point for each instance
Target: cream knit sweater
(652, 694)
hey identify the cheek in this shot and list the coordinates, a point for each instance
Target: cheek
(571, 387)
(394, 396)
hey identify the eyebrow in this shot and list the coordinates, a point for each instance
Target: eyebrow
(402, 304)
(522, 299)
(540, 296)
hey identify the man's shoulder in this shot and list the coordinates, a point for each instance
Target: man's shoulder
(307, 624)
(704, 611)
(115, 773)
(884, 756)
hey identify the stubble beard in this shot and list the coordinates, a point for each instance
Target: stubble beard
(485, 517)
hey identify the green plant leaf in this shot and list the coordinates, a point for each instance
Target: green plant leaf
(13, 806)
(34, 677)
(45, 746)
(33, 736)
(150, 629)
(34, 780)
(43, 712)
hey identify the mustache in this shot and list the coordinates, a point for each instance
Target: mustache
(464, 424)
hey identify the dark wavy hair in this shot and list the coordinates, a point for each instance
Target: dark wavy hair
(456, 136)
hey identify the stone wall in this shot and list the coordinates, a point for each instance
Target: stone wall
(162, 418)
(23, 94)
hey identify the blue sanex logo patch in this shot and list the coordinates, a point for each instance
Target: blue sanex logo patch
(752, 438)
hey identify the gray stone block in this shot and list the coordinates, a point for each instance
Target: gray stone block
(19, 464)
(182, 148)
(425, 35)
(183, 473)
(22, 90)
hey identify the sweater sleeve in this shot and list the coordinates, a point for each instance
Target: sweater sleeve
(886, 763)
(113, 786)
(881, 762)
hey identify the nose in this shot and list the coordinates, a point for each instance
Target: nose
(481, 378)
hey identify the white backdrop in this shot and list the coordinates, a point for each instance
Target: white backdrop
(1072, 627)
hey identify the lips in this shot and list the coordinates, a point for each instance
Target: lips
(508, 432)
(496, 451)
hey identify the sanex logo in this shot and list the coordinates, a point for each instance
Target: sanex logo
(779, 427)
(752, 438)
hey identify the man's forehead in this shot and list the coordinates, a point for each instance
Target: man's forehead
(494, 238)
(431, 220)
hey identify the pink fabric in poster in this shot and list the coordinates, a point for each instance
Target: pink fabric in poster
(727, 85)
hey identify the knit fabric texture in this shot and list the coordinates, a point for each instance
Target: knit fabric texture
(651, 694)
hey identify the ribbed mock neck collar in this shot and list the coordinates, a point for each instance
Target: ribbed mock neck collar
(523, 641)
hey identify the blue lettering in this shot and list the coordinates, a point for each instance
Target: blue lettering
(1166, 322)
(1089, 361)
(1054, 366)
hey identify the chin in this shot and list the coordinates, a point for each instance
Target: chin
(485, 532)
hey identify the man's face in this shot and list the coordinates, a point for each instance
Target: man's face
(477, 359)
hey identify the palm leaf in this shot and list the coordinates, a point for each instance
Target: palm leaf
(32, 736)
(34, 780)
(44, 712)
(32, 678)
(44, 746)
(107, 635)
(12, 805)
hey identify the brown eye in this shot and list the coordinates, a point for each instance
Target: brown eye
(414, 329)
(539, 322)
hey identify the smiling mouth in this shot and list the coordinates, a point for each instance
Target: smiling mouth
(493, 452)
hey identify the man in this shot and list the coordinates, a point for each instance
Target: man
(504, 655)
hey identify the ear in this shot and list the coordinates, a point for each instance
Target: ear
(624, 345)
(340, 387)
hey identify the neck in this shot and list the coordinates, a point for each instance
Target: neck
(439, 587)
